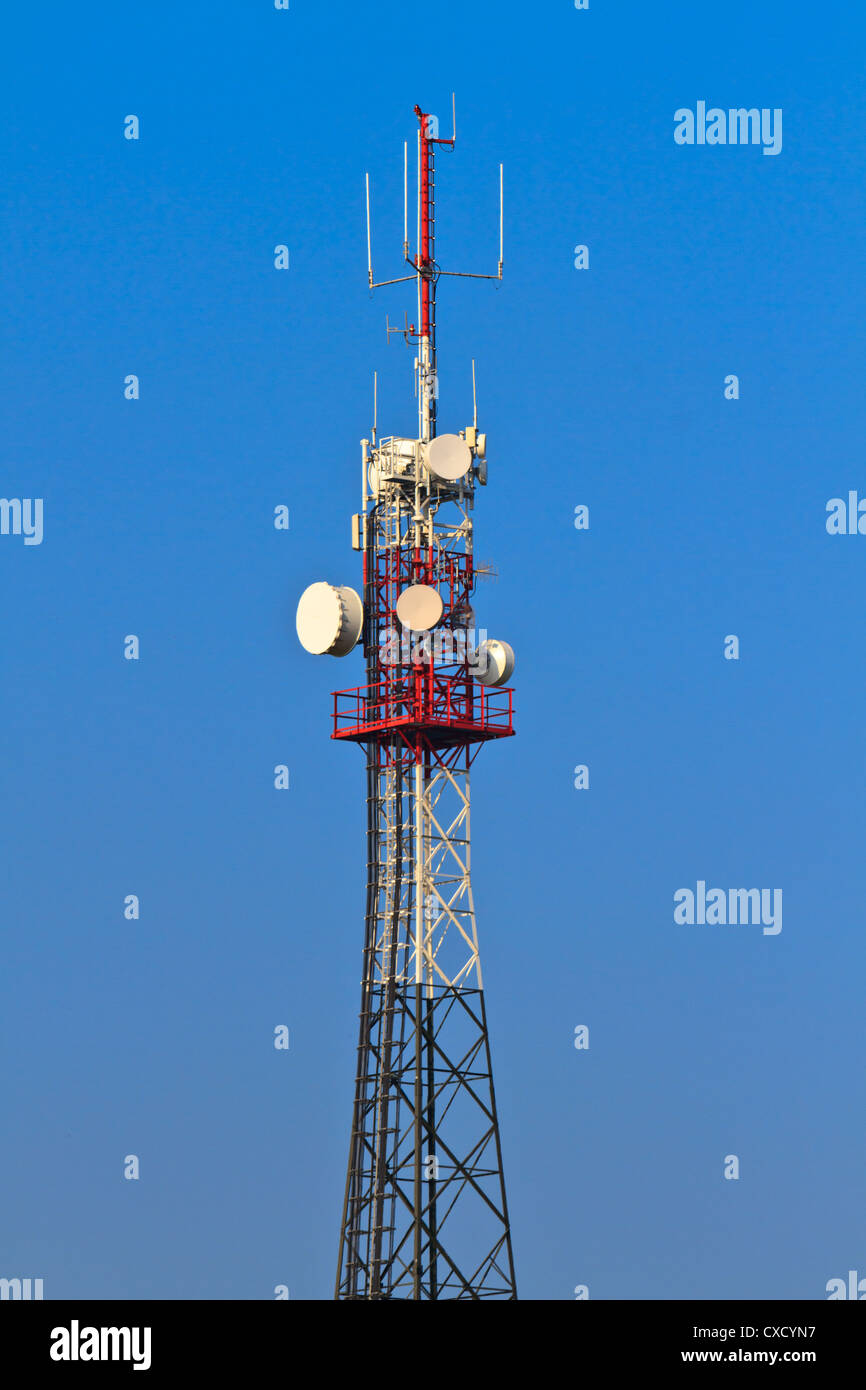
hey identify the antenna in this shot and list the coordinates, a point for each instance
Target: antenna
(407, 330)
(405, 200)
(369, 254)
(375, 403)
(474, 399)
(377, 284)
(471, 276)
(425, 269)
(500, 222)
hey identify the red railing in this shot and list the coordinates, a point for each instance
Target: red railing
(422, 698)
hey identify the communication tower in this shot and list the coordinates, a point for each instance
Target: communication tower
(425, 1213)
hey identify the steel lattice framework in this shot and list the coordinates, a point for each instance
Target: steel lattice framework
(425, 1213)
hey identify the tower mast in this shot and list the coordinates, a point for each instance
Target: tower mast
(427, 274)
(425, 1213)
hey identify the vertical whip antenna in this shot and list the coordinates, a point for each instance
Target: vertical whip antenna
(405, 199)
(369, 253)
(501, 222)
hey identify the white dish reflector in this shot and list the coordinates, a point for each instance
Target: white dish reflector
(492, 663)
(329, 619)
(420, 607)
(448, 457)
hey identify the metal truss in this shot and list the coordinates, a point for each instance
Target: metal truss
(425, 1213)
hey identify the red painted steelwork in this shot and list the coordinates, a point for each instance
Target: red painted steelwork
(448, 710)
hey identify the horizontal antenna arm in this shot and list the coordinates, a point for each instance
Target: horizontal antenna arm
(466, 275)
(399, 281)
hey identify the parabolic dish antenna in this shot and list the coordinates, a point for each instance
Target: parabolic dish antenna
(492, 663)
(448, 457)
(329, 619)
(420, 607)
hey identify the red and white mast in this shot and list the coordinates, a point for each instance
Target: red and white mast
(425, 1136)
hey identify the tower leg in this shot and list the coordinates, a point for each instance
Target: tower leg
(425, 1214)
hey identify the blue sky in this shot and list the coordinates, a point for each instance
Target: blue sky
(601, 387)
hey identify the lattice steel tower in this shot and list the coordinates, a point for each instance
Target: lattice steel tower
(425, 1214)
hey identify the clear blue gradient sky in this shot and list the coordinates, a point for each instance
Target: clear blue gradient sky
(602, 387)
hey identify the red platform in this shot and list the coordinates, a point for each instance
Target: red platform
(447, 710)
